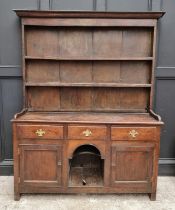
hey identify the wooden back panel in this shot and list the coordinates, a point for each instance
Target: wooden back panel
(88, 68)
(87, 99)
(81, 42)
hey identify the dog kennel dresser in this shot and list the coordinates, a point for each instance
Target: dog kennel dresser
(87, 125)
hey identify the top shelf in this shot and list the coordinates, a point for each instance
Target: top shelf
(90, 59)
(88, 14)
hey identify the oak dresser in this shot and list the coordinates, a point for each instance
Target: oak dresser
(87, 125)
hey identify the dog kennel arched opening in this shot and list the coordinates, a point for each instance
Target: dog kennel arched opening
(86, 167)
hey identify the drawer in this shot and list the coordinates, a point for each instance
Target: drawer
(87, 132)
(133, 133)
(40, 131)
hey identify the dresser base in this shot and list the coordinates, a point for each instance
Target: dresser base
(86, 153)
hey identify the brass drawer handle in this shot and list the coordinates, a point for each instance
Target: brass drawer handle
(87, 133)
(133, 133)
(40, 132)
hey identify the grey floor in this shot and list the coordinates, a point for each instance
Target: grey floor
(165, 199)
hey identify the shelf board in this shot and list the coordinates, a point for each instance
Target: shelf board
(63, 84)
(96, 110)
(89, 59)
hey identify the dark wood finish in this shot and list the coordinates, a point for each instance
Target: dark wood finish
(88, 126)
(132, 163)
(40, 98)
(142, 133)
(77, 132)
(29, 131)
(91, 117)
(83, 14)
(34, 163)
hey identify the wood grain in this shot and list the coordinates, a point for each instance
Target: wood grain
(88, 83)
(143, 133)
(26, 131)
(77, 132)
(43, 99)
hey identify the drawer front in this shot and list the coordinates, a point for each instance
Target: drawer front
(40, 131)
(87, 132)
(133, 133)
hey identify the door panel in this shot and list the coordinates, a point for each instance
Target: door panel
(40, 165)
(132, 163)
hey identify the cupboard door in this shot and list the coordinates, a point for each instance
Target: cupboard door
(132, 163)
(40, 165)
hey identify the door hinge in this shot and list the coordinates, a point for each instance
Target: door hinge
(19, 179)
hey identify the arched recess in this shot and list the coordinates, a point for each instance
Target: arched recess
(86, 167)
